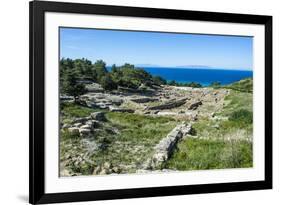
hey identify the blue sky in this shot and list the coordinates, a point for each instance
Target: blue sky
(162, 49)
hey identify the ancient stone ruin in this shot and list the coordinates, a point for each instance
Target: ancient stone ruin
(164, 149)
(195, 105)
(143, 99)
(120, 109)
(84, 127)
(168, 105)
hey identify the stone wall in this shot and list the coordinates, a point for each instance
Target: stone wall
(169, 105)
(164, 149)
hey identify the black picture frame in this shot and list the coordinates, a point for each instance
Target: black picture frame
(37, 10)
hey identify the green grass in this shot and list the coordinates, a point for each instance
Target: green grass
(70, 110)
(131, 146)
(237, 101)
(245, 85)
(220, 143)
(138, 135)
(242, 116)
(208, 129)
(199, 154)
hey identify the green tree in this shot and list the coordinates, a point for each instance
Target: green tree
(70, 85)
(107, 83)
(194, 85)
(158, 80)
(126, 75)
(100, 69)
(129, 76)
(172, 82)
(65, 64)
(85, 69)
(114, 68)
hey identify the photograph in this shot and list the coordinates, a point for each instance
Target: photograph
(139, 102)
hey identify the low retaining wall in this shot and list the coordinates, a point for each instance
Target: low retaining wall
(166, 146)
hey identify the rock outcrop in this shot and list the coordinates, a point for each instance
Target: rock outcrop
(94, 87)
(86, 126)
(168, 105)
(106, 168)
(102, 100)
(65, 98)
(119, 109)
(98, 116)
(143, 99)
(141, 89)
(195, 105)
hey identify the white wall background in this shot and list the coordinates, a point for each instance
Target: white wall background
(14, 44)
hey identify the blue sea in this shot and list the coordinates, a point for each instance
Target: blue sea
(199, 75)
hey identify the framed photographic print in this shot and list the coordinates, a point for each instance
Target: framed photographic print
(140, 102)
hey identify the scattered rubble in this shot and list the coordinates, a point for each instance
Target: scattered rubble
(85, 126)
(106, 168)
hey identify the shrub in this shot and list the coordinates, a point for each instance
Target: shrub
(242, 116)
(245, 85)
(68, 135)
(70, 86)
(215, 84)
(100, 69)
(172, 82)
(193, 84)
(107, 83)
(70, 110)
(159, 80)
